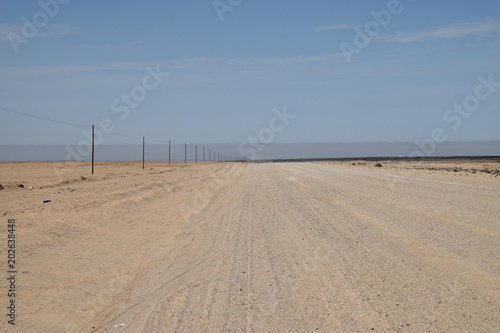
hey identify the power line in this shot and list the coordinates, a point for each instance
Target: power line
(151, 139)
(46, 119)
(119, 134)
(68, 123)
(86, 126)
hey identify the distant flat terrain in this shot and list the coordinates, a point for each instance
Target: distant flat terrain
(267, 247)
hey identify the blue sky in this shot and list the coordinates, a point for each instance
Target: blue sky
(225, 77)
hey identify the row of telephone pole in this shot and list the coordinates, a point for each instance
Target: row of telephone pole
(216, 157)
(213, 156)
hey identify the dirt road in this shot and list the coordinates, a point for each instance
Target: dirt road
(275, 247)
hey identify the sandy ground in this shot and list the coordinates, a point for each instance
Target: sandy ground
(234, 247)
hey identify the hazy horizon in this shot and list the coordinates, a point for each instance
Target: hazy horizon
(159, 152)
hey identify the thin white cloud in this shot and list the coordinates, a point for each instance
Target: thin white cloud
(108, 46)
(313, 58)
(450, 31)
(56, 30)
(287, 60)
(48, 31)
(55, 71)
(189, 64)
(336, 27)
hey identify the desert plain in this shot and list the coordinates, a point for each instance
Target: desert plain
(253, 247)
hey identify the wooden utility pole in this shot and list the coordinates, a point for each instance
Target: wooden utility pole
(196, 155)
(92, 149)
(185, 152)
(210, 155)
(203, 153)
(168, 152)
(143, 146)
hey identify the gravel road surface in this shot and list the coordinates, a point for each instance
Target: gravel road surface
(272, 247)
